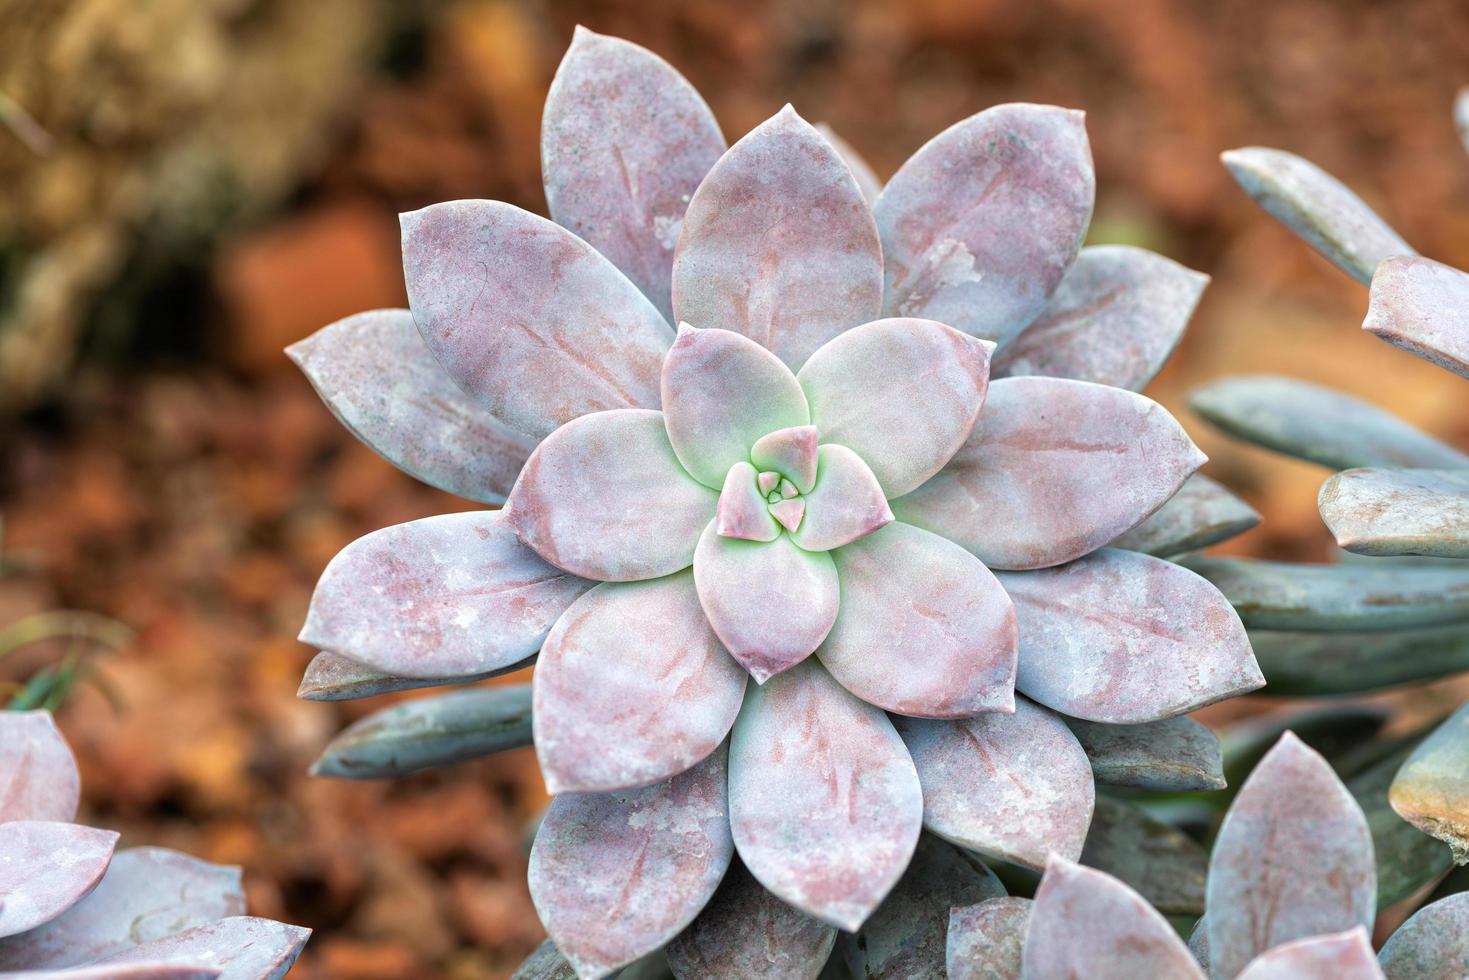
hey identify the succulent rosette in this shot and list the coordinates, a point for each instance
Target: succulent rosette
(74, 908)
(812, 482)
(1292, 894)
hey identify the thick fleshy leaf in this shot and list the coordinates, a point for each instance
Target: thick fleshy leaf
(546, 963)
(778, 243)
(745, 931)
(1115, 319)
(1123, 638)
(1201, 513)
(1341, 956)
(616, 875)
(907, 935)
(429, 732)
(1085, 923)
(985, 940)
(1433, 944)
(633, 686)
(1309, 663)
(1408, 860)
(240, 947)
(1318, 424)
(1175, 755)
(743, 511)
(1198, 942)
(771, 604)
(1419, 305)
(902, 393)
(789, 513)
(1317, 207)
(38, 773)
(1399, 512)
(444, 596)
(531, 321)
(791, 453)
(130, 971)
(1022, 492)
(333, 677)
(47, 868)
(1293, 859)
(1017, 787)
(867, 180)
(625, 140)
(1360, 596)
(1159, 862)
(845, 504)
(148, 893)
(721, 392)
(1461, 116)
(924, 628)
(376, 374)
(825, 804)
(1431, 790)
(605, 497)
(981, 223)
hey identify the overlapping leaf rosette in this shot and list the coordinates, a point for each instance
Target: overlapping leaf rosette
(786, 566)
(72, 908)
(1292, 891)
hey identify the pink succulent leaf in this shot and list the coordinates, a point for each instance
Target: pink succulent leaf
(615, 876)
(788, 453)
(1316, 206)
(376, 374)
(625, 141)
(981, 223)
(743, 511)
(47, 868)
(825, 805)
(1430, 790)
(1342, 956)
(1124, 638)
(722, 392)
(38, 773)
(604, 497)
(333, 677)
(1398, 512)
(241, 947)
(771, 604)
(1318, 424)
(778, 243)
(789, 513)
(985, 940)
(147, 893)
(1116, 317)
(1161, 863)
(1433, 943)
(1420, 305)
(1085, 923)
(902, 393)
(924, 629)
(632, 687)
(1292, 859)
(745, 931)
(1017, 787)
(130, 971)
(1175, 755)
(444, 596)
(867, 180)
(906, 936)
(846, 502)
(1023, 491)
(1201, 513)
(535, 324)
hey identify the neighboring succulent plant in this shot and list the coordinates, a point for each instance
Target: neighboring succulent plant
(1291, 894)
(71, 908)
(1402, 494)
(821, 443)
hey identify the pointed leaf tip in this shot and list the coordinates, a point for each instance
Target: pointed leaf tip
(38, 773)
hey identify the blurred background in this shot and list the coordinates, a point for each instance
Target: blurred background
(190, 185)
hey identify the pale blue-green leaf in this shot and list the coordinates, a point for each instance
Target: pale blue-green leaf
(1398, 512)
(1175, 755)
(1159, 862)
(1201, 513)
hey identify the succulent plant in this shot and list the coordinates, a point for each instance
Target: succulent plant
(812, 482)
(72, 908)
(1291, 894)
